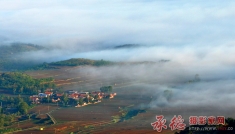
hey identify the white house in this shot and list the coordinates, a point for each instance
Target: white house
(42, 95)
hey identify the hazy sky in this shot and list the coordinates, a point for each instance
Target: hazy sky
(198, 34)
(95, 24)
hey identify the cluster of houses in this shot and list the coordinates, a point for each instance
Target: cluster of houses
(37, 98)
(56, 97)
(77, 95)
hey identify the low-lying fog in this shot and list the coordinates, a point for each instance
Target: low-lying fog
(214, 65)
(196, 37)
(193, 81)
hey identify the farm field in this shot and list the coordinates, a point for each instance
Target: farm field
(97, 118)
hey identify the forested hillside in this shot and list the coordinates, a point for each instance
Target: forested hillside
(8, 55)
(19, 83)
(81, 61)
(9, 50)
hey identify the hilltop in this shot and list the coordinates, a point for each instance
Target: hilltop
(90, 62)
(81, 61)
(73, 62)
(8, 58)
(127, 46)
(7, 51)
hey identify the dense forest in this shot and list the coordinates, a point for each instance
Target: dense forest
(19, 83)
(12, 110)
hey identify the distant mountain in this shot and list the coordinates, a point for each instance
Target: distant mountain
(89, 62)
(80, 62)
(128, 46)
(9, 50)
(9, 61)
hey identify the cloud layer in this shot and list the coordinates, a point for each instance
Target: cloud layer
(96, 24)
(194, 36)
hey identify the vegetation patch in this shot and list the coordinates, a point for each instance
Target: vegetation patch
(19, 83)
(127, 113)
(3, 131)
(81, 62)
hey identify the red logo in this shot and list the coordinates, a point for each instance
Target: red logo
(201, 120)
(193, 120)
(159, 124)
(220, 120)
(177, 123)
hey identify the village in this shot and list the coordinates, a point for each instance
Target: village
(73, 97)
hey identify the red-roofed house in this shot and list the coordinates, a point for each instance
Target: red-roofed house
(77, 95)
(48, 93)
(96, 93)
(49, 89)
(34, 99)
(74, 95)
(59, 94)
(55, 99)
(83, 95)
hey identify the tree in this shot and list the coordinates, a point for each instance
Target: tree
(18, 99)
(12, 117)
(14, 90)
(23, 108)
(1, 122)
(80, 102)
(76, 101)
(29, 116)
(44, 100)
(65, 98)
(86, 100)
(106, 89)
(48, 99)
(21, 89)
(19, 83)
(91, 99)
(95, 97)
(110, 88)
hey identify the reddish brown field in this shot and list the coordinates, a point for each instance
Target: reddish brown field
(97, 118)
(43, 108)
